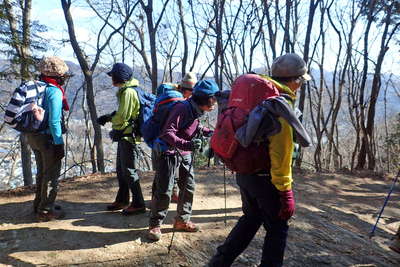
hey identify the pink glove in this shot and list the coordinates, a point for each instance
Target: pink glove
(287, 204)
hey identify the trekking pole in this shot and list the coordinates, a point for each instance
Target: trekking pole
(225, 192)
(209, 155)
(384, 204)
(190, 168)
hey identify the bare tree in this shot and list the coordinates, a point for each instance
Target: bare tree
(22, 44)
(390, 27)
(311, 13)
(88, 70)
(152, 31)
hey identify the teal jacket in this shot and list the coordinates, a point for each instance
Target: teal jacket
(52, 105)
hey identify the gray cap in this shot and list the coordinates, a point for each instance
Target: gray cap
(289, 65)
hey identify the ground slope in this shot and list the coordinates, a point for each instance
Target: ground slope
(334, 214)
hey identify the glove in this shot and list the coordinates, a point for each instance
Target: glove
(195, 144)
(59, 152)
(105, 118)
(116, 135)
(208, 134)
(287, 204)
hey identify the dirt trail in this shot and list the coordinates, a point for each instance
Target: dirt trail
(335, 213)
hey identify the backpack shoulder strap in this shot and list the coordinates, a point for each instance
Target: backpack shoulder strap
(190, 109)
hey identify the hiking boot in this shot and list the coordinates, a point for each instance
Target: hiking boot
(174, 197)
(56, 207)
(395, 245)
(45, 216)
(133, 211)
(154, 233)
(186, 226)
(117, 206)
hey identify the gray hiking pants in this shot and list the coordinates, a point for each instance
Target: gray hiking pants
(48, 171)
(127, 174)
(163, 184)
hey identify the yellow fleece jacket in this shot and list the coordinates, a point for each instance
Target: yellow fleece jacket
(281, 147)
(128, 109)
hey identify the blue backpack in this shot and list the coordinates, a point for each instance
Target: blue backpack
(146, 101)
(167, 98)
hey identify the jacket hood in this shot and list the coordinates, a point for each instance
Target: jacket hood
(281, 87)
(131, 83)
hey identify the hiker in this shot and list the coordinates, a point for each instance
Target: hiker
(185, 87)
(123, 133)
(48, 145)
(395, 244)
(187, 83)
(181, 132)
(267, 196)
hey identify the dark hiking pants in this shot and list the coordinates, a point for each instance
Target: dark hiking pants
(163, 185)
(260, 204)
(48, 171)
(127, 174)
(154, 162)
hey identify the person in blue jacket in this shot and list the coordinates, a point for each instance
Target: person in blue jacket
(48, 145)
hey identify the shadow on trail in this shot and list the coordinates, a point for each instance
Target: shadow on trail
(92, 214)
(31, 239)
(335, 238)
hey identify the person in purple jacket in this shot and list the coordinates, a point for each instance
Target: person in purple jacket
(180, 132)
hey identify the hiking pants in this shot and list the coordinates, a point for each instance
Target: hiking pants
(48, 171)
(127, 174)
(154, 162)
(163, 184)
(260, 204)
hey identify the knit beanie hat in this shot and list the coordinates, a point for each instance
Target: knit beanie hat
(205, 88)
(53, 67)
(189, 80)
(121, 73)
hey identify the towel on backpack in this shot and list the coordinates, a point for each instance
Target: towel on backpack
(263, 122)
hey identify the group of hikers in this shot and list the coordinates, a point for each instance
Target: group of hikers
(266, 189)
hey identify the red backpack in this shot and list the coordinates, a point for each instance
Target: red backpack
(248, 91)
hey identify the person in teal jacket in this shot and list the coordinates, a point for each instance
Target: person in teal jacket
(48, 145)
(128, 110)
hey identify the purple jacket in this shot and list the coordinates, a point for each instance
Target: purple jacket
(182, 126)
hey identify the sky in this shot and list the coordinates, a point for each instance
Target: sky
(50, 13)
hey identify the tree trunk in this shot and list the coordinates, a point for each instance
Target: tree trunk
(26, 160)
(185, 38)
(98, 140)
(89, 86)
(22, 48)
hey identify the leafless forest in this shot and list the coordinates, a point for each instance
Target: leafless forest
(351, 107)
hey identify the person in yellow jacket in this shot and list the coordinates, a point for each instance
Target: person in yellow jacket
(267, 197)
(128, 110)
